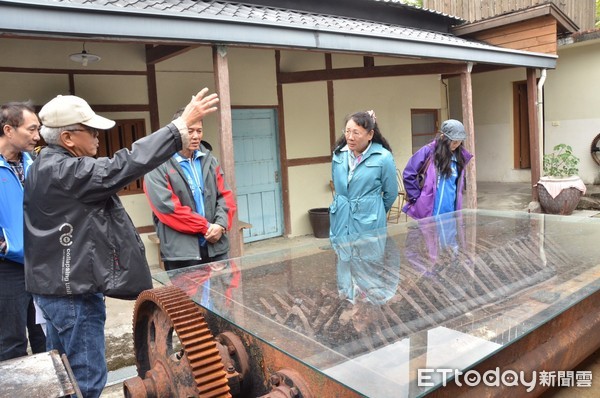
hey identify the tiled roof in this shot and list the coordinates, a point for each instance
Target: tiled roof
(232, 22)
(249, 13)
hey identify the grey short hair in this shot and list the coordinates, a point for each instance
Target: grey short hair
(52, 134)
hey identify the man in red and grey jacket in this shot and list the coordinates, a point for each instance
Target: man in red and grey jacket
(192, 206)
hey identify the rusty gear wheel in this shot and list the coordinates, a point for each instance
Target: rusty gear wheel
(194, 371)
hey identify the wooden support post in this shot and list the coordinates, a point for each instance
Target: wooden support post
(470, 200)
(152, 92)
(534, 133)
(283, 160)
(221, 70)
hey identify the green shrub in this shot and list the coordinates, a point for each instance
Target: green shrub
(561, 162)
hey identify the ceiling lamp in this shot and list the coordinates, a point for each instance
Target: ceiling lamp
(84, 57)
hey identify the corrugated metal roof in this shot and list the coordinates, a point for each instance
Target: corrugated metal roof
(239, 23)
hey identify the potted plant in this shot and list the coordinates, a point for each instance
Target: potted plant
(560, 189)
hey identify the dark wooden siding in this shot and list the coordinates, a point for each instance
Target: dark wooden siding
(582, 12)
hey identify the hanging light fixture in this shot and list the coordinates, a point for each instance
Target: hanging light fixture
(84, 57)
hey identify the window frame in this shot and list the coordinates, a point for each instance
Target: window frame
(435, 113)
(123, 135)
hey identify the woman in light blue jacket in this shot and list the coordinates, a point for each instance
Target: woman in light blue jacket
(364, 178)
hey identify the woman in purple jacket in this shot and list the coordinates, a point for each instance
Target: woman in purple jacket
(434, 175)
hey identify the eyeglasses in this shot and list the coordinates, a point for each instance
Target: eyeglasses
(354, 133)
(93, 132)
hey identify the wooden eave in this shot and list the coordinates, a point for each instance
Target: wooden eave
(565, 24)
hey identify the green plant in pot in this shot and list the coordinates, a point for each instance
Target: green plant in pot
(560, 189)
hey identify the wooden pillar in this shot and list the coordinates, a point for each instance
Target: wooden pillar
(330, 104)
(221, 70)
(470, 198)
(534, 133)
(283, 160)
(152, 92)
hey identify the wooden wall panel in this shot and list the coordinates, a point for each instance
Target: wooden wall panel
(524, 27)
(582, 12)
(538, 35)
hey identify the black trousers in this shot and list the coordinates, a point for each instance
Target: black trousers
(17, 313)
(171, 265)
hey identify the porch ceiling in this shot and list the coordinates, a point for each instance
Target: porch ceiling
(227, 23)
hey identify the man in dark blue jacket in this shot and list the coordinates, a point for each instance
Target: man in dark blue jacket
(19, 132)
(80, 242)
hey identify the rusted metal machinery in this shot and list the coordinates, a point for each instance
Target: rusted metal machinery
(43, 375)
(403, 312)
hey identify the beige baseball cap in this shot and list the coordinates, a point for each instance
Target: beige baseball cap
(64, 110)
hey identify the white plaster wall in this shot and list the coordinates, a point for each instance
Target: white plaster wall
(294, 61)
(311, 191)
(307, 128)
(572, 104)
(392, 99)
(347, 61)
(570, 113)
(494, 131)
(175, 91)
(96, 89)
(252, 77)
(307, 135)
(39, 88)
(253, 83)
(178, 78)
(493, 120)
(306, 120)
(31, 53)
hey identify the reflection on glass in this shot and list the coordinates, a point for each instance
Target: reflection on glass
(368, 269)
(444, 292)
(210, 285)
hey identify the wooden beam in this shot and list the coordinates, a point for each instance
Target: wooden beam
(534, 133)
(221, 70)
(480, 68)
(71, 84)
(152, 93)
(466, 90)
(285, 187)
(434, 68)
(156, 54)
(47, 71)
(122, 108)
(331, 102)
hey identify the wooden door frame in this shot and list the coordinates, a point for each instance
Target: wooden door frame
(517, 123)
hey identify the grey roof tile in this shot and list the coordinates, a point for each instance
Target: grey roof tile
(285, 27)
(270, 15)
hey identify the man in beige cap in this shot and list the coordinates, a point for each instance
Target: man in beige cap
(80, 244)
